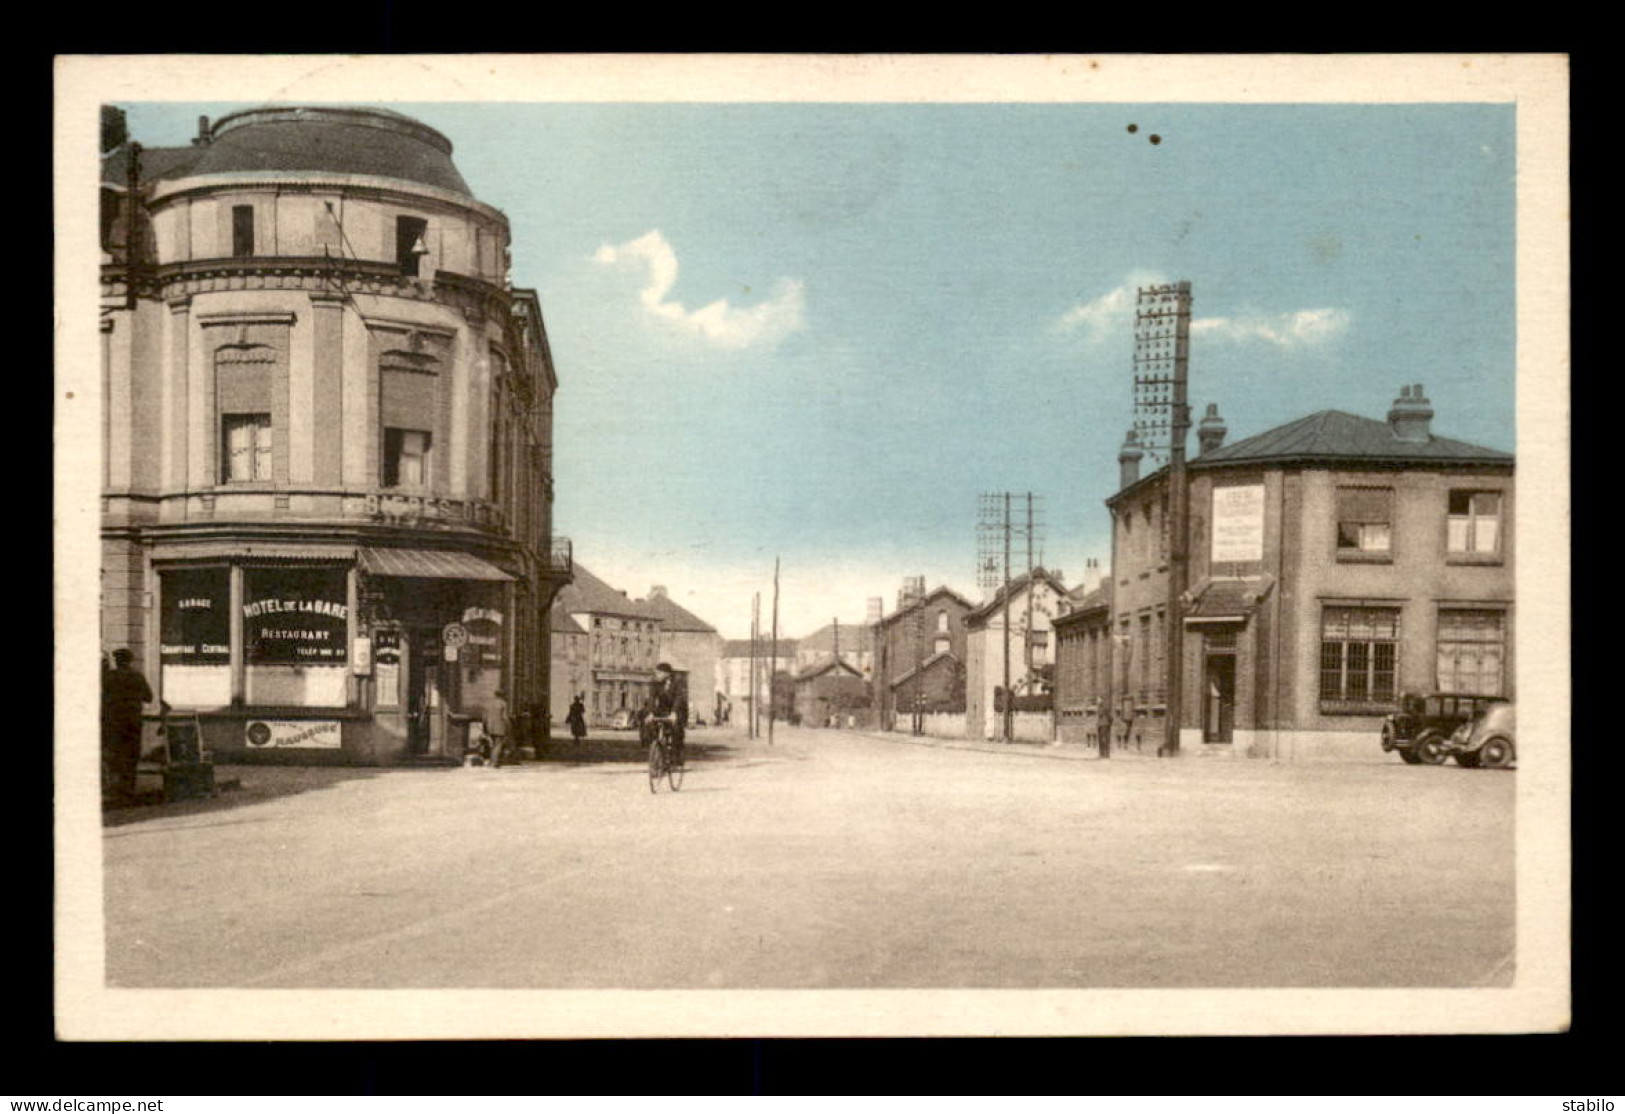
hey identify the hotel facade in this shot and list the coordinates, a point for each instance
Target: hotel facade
(327, 497)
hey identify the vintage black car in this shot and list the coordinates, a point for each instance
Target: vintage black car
(1420, 731)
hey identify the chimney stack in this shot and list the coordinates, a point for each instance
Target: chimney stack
(874, 609)
(202, 138)
(1211, 430)
(657, 591)
(1128, 461)
(1411, 415)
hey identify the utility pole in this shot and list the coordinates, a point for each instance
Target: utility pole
(1009, 705)
(1179, 497)
(1162, 329)
(1031, 570)
(919, 657)
(755, 691)
(773, 661)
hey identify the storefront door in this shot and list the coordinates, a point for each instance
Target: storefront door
(422, 662)
(1219, 707)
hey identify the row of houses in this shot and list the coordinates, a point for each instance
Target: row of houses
(1335, 562)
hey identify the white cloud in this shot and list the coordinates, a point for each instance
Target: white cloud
(1112, 315)
(1284, 330)
(764, 324)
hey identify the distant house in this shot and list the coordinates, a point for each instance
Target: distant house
(623, 644)
(853, 641)
(733, 674)
(1083, 655)
(832, 693)
(919, 654)
(1035, 599)
(690, 644)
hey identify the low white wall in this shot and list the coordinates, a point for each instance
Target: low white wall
(1291, 746)
(939, 725)
(1033, 727)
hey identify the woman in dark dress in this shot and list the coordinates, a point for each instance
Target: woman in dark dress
(577, 719)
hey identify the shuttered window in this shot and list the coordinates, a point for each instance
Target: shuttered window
(1472, 652)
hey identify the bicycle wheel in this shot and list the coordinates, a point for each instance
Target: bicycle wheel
(674, 775)
(657, 765)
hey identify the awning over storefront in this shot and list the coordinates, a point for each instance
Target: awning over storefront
(429, 564)
(253, 551)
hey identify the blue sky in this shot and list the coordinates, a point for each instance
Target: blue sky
(819, 331)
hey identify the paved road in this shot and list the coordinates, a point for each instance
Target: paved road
(831, 860)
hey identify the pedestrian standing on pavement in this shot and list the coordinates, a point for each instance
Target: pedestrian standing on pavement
(496, 725)
(124, 693)
(577, 719)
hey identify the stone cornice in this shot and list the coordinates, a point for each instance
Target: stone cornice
(476, 298)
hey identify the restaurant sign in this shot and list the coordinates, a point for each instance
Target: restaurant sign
(276, 734)
(295, 616)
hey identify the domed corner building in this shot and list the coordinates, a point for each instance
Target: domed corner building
(327, 498)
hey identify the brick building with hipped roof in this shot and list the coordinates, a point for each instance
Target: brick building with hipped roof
(1336, 561)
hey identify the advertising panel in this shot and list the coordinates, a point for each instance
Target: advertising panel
(277, 734)
(195, 622)
(1238, 523)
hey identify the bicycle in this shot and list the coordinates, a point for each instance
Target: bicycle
(662, 759)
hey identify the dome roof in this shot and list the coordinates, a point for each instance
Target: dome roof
(371, 141)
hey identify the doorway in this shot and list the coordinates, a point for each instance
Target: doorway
(422, 688)
(1219, 699)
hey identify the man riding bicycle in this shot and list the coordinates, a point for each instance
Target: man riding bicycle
(668, 703)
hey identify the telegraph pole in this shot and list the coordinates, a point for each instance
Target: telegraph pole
(773, 660)
(1009, 705)
(1179, 497)
(1162, 331)
(1027, 640)
(755, 690)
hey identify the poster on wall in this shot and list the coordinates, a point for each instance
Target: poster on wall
(484, 626)
(274, 734)
(295, 616)
(195, 623)
(1238, 523)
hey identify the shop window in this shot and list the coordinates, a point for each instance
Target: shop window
(247, 442)
(1474, 523)
(1359, 659)
(1364, 521)
(410, 245)
(295, 635)
(1472, 652)
(194, 626)
(242, 230)
(407, 457)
